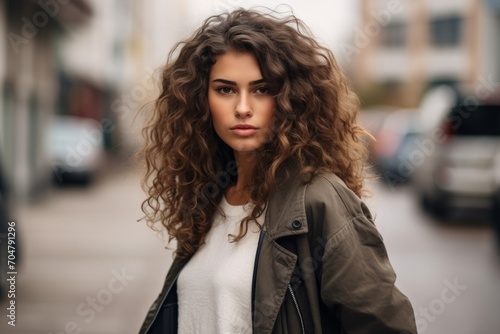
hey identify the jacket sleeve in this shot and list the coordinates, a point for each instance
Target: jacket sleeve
(356, 279)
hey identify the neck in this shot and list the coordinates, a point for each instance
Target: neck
(238, 193)
(246, 163)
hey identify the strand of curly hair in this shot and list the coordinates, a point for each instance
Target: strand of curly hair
(188, 167)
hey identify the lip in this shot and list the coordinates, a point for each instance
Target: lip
(243, 130)
(243, 127)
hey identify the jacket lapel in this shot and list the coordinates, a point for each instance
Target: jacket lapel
(285, 216)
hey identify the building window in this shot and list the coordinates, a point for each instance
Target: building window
(394, 35)
(495, 4)
(446, 31)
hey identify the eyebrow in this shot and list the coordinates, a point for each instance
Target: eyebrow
(233, 83)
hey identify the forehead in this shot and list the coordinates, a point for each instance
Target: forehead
(234, 65)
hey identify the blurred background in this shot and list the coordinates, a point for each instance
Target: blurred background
(77, 77)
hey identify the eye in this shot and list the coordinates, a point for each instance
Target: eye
(225, 90)
(262, 90)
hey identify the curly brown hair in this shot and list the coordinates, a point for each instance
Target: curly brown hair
(188, 167)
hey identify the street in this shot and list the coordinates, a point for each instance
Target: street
(450, 272)
(88, 266)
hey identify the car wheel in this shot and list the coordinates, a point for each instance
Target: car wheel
(495, 221)
(425, 202)
(436, 207)
(440, 209)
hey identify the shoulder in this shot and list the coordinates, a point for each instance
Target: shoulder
(331, 204)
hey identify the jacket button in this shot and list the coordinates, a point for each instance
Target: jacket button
(296, 224)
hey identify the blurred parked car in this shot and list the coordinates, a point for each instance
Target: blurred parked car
(461, 167)
(372, 120)
(76, 148)
(393, 146)
(397, 151)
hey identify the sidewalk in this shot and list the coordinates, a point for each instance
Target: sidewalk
(87, 264)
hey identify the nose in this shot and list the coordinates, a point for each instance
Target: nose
(243, 108)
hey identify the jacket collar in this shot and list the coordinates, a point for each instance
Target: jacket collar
(286, 214)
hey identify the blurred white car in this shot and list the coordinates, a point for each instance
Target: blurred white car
(461, 169)
(76, 148)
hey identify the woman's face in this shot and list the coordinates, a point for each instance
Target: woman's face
(240, 102)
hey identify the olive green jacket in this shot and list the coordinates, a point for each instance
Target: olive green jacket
(321, 267)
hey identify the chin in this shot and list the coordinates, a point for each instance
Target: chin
(245, 149)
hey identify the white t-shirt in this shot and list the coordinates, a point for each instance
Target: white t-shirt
(215, 287)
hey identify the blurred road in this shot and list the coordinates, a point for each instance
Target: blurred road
(89, 267)
(450, 272)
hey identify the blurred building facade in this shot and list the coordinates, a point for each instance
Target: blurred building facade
(85, 58)
(29, 85)
(404, 47)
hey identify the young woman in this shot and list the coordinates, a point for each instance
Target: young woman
(255, 166)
